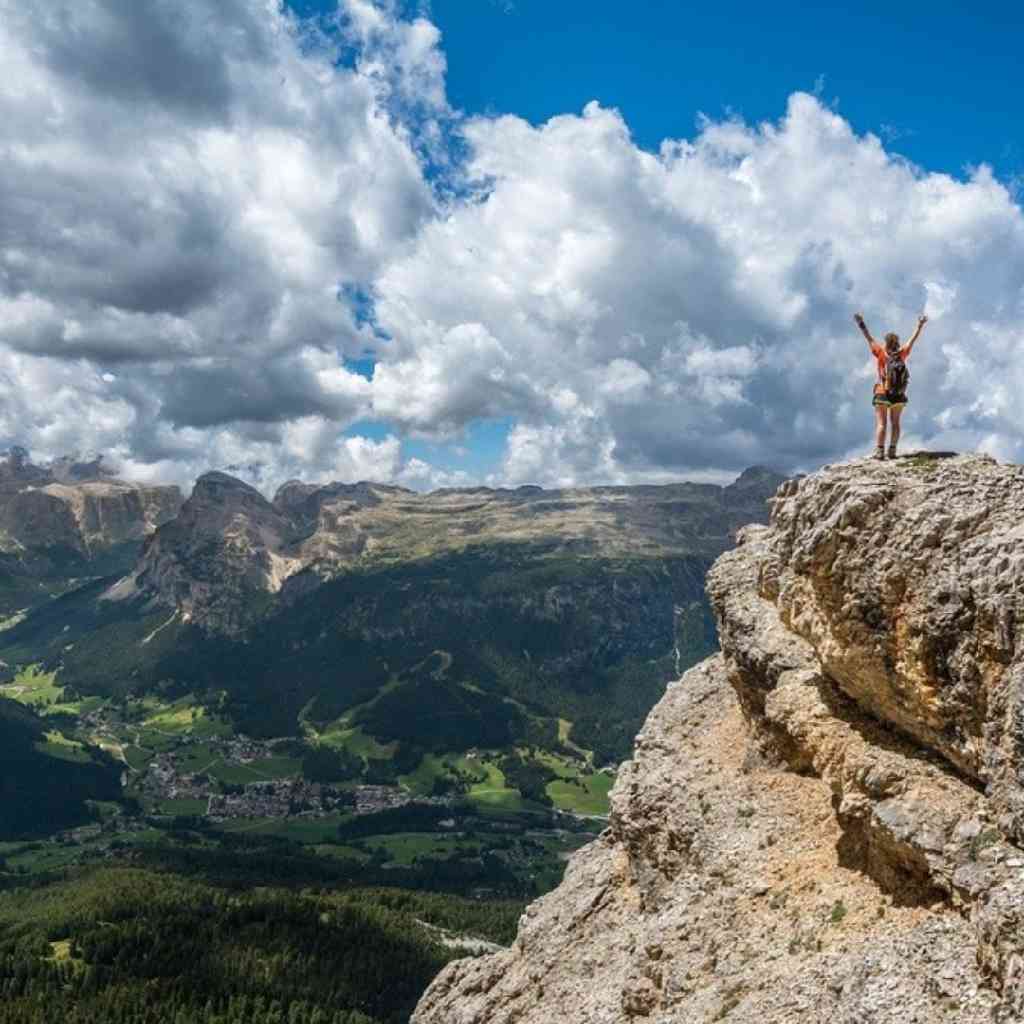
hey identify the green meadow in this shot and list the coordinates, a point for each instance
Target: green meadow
(34, 688)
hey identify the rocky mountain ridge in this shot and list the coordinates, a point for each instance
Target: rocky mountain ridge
(230, 554)
(823, 822)
(569, 606)
(67, 519)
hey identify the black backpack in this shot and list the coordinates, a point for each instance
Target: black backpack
(897, 376)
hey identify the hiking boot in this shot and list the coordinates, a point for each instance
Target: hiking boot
(879, 453)
(892, 451)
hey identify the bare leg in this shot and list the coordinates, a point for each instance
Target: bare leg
(881, 413)
(894, 415)
(894, 433)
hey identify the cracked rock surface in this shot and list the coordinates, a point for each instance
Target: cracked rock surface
(823, 823)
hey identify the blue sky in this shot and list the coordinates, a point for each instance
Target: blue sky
(943, 78)
(454, 249)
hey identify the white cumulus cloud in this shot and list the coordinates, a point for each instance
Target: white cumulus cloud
(188, 186)
(210, 208)
(690, 311)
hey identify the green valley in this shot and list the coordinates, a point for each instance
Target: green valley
(385, 718)
(186, 772)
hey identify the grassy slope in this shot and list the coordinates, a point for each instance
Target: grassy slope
(341, 645)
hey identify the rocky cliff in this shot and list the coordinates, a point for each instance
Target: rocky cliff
(67, 519)
(823, 822)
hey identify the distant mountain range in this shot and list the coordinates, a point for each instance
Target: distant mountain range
(574, 605)
(230, 557)
(66, 520)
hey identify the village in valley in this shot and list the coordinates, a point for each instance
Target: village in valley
(186, 772)
(206, 770)
(271, 798)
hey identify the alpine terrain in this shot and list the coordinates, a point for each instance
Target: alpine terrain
(289, 615)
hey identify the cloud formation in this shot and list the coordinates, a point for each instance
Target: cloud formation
(187, 188)
(194, 191)
(648, 315)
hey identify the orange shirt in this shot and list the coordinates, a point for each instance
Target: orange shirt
(878, 351)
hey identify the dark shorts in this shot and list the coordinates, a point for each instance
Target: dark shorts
(889, 401)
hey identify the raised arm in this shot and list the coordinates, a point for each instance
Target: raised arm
(921, 321)
(859, 321)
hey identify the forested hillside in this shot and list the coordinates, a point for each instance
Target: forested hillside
(118, 945)
(45, 781)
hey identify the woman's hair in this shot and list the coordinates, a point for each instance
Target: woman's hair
(892, 342)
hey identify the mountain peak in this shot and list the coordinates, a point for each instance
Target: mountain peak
(68, 519)
(311, 533)
(70, 469)
(16, 467)
(217, 486)
(294, 493)
(218, 478)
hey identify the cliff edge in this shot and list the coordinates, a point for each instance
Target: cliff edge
(825, 822)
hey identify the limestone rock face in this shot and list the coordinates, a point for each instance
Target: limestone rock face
(68, 517)
(908, 584)
(823, 822)
(219, 558)
(75, 505)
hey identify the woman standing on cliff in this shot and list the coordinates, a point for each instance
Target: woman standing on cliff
(890, 393)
